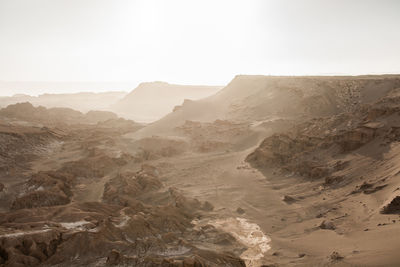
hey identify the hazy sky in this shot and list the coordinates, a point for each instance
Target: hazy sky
(195, 42)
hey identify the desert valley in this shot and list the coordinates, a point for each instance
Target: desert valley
(266, 171)
(183, 133)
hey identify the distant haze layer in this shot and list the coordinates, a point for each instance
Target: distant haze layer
(38, 88)
(83, 102)
(152, 100)
(195, 42)
(148, 102)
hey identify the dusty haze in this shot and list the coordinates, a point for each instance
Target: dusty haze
(199, 133)
(192, 42)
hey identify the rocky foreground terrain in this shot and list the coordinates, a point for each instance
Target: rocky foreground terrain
(70, 196)
(269, 171)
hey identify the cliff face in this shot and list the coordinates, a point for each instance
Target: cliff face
(256, 97)
(320, 139)
(342, 170)
(347, 154)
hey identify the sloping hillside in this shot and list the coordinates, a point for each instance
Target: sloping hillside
(151, 101)
(344, 172)
(265, 98)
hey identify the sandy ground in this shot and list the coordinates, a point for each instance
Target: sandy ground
(229, 183)
(249, 205)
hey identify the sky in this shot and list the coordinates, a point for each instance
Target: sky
(194, 42)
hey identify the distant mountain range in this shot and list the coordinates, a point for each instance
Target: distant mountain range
(83, 102)
(148, 102)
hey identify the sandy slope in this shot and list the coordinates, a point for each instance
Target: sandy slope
(152, 100)
(228, 183)
(259, 98)
(314, 216)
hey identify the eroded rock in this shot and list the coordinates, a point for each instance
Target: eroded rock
(393, 207)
